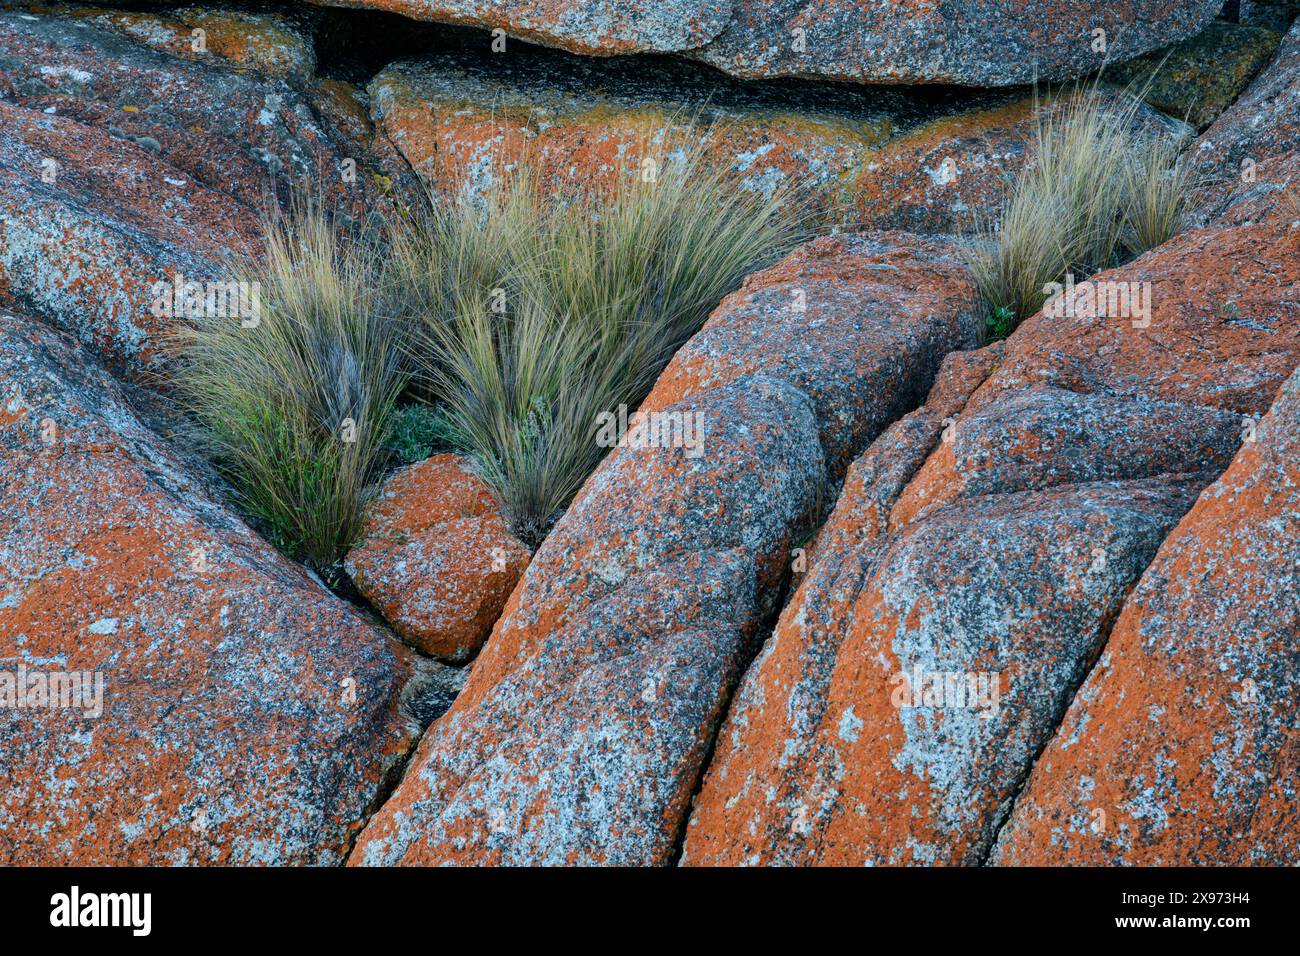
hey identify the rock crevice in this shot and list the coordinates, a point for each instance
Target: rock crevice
(583, 728)
(1004, 559)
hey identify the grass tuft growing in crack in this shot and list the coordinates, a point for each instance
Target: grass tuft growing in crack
(540, 311)
(1158, 186)
(298, 402)
(504, 328)
(1099, 189)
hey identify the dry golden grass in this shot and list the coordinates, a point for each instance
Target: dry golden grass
(520, 320)
(1098, 188)
(297, 407)
(595, 292)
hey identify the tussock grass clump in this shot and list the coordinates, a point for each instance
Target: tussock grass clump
(297, 402)
(1099, 188)
(1158, 186)
(505, 328)
(542, 311)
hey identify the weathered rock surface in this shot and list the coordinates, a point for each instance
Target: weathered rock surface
(239, 132)
(1044, 435)
(89, 223)
(969, 42)
(965, 672)
(972, 42)
(125, 166)
(1199, 78)
(267, 43)
(436, 557)
(596, 27)
(458, 121)
(586, 720)
(248, 715)
(1181, 748)
(1002, 561)
(1250, 156)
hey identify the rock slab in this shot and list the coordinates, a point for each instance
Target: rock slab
(436, 557)
(247, 715)
(587, 719)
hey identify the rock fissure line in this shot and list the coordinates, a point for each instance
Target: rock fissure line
(1089, 443)
(585, 724)
(1008, 809)
(765, 632)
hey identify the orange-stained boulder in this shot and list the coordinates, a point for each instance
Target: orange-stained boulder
(436, 557)
(1082, 396)
(586, 720)
(929, 655)
(953, 173)
(911, 681)
(125, 163)
(1181, 747)
(824, 316)
(461, 123)
(886, 160)
(247, 715)
(90, 223)
(1045, 435)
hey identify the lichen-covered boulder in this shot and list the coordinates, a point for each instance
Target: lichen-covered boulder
(126, 166)
(436, 557)
(954, 608)
(968, 42)
(1269, 14)
(1045, 435)
(237, 712)
(822, 319)
(595, 27)
(1198, 79)
(461, 124)
(95, 230)
(268, 43)
(980, 43)
(585, 723)
(1181, 748)
(948, 175)
(876, 479)
(884, 160)
(237, 131)
(909, 685)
